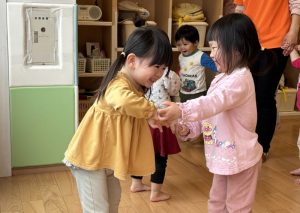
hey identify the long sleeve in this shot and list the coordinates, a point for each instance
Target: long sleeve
(295, 58)
(294, 7)
(208, 63)
(220, 98)
(195, 129)
(296, 63)
(125, 101)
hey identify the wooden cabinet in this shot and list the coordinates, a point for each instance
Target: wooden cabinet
(161, 13)
(105, 31)
(101, 31)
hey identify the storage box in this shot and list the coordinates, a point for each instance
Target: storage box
(98, 65)
(126, 28)
(81, 65)
(286, 100)
(201, 27)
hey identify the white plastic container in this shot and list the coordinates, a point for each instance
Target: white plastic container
(286, 100)
(127, 27)
(201, 27)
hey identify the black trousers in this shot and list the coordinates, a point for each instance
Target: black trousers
(185, 97)
(160, 170)
(265, 87)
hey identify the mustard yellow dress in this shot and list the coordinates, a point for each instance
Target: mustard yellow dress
(114, 133)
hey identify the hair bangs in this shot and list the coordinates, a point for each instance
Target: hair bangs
(213, 33)
(161, 53)
(158, 52)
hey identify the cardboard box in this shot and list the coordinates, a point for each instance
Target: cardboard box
(126, 28)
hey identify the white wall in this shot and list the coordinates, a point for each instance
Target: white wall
(58, 74)
(5, 151)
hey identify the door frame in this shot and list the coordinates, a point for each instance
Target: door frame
(5, 147)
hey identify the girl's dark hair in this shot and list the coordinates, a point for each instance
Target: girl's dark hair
(144, 42)
(237, 39)
(187, 32)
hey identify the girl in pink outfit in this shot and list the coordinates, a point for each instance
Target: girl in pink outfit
(295, 59)
(226, 116)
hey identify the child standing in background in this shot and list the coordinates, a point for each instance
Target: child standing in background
(165, 142)
(227, 116)
(114, 140)
(295, 59)
(192, 63)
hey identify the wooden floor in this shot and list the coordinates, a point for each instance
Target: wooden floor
(187, 180)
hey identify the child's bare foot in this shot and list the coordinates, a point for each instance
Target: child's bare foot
(159, 196)
(138, 186)
(295, 172)
(297, 181)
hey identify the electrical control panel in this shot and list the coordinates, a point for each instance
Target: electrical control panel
(41, 36)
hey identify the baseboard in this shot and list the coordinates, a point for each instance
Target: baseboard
(38, 169)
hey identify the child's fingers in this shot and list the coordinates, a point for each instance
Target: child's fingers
(179, 128)
(167, 103)
(156, 125)
(173, 127)
(164, 123)
(162, 114)
(160, 128)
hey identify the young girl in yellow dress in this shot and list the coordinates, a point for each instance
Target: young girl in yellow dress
(113, 140)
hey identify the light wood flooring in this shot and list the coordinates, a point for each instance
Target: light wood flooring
(187, 180)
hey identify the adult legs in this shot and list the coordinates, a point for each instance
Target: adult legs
(266, 86)
(99, 191)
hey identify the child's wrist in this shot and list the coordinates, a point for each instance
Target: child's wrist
(186, 134)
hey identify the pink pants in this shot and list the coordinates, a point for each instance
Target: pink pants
(234, 193)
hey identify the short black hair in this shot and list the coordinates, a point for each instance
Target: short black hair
(187, 32)
(237, 39)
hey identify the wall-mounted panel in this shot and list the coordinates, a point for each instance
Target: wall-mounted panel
(41, 48)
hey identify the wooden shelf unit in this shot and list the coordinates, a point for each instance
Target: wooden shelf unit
(86, 74)
(95, 23)
(105, 31)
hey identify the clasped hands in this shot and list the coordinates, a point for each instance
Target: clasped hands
(168, 116)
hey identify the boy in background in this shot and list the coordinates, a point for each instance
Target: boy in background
(192, 63)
